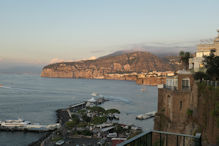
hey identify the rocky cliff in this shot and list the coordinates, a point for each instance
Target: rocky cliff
(101, 68)
(190, 112)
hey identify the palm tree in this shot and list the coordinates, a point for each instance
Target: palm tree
(184, 58)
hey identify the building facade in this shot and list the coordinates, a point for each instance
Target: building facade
(196, 63)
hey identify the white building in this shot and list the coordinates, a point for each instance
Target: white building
(196, 63)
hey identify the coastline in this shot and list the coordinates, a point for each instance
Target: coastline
(65, 115)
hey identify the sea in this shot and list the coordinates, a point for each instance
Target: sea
(35, 99)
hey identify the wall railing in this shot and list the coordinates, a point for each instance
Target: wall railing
(161, 138)
(209, 82)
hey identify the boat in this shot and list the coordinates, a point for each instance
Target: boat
(92, 100)
(1, 85)
(22, 125)
(95, 94)
(143, 89)
(14, 123)
(146, 116)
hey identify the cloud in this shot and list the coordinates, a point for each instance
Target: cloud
(56, 60)
(92, 58)
(171, 47)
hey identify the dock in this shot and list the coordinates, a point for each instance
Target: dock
(22, 125)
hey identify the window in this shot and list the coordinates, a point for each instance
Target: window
(185, 83)
(180, 105)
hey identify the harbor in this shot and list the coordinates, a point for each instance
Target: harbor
(63, 116)
(87, 123)
(41, 101)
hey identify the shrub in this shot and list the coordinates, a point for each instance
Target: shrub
(70, 124)
(56, 138)
(189, 112)
(97, 109)
(112, 111)
(200, 76)
(99, 120)
(86, 118)
(82, 124)
(86, 132)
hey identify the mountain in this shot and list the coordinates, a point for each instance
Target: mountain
(111, 64)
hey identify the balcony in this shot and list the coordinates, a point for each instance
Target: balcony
(160, 138)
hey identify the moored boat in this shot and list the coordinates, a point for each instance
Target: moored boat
(146, 116)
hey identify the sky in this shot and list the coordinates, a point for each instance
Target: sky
(45, 31)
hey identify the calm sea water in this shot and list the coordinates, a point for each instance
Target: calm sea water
(36, 99)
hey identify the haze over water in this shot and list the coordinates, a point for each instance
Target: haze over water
(36, 99)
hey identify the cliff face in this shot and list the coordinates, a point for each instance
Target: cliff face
(102, 67)
(189, 112)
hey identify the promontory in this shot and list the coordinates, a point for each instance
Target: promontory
(109, 67)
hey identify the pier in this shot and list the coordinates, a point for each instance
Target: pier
(21, 125)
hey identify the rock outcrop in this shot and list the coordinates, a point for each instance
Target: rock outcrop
(104, 67)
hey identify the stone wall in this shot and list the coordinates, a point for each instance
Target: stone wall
(151, 81)
(187, 112)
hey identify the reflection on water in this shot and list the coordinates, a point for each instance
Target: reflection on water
(36, 99)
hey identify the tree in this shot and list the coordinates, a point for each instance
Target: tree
(97, 109)
(211, 64)
(112, 111)
(200, 76)
(86, 118)
(74, 121)
(99, 120)
(184, 58)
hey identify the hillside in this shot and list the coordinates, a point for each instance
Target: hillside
(99, 68)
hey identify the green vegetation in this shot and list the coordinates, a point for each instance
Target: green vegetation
(211, 100)
(75, 118)
(82, 124)
(184, 58)
(120, 129)
(56, 138)
(112, 111)
(86, 118)
(217, 140)
(98, 120)
(83, 111)
(200, 76)
(70, 124)
(211, 71)
(85, 132)
(97, 109)
(211, 64)
(75, 121)
(189, 112)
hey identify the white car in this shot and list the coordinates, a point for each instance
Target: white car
(60, 142)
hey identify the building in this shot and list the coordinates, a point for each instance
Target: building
(195, 63)
(181, 81)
